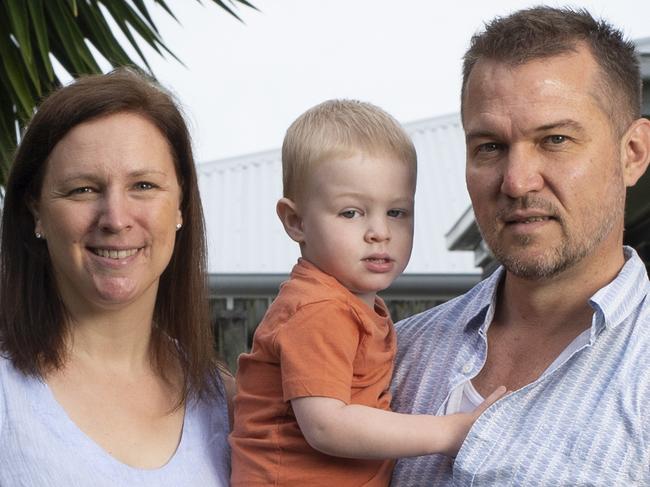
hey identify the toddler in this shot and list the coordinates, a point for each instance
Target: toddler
(313, 398)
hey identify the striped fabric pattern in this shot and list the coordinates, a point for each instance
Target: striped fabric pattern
(586, 423)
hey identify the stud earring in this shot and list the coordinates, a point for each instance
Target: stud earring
(178, 226)
(38, 235)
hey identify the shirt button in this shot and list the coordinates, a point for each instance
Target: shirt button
(467, 368)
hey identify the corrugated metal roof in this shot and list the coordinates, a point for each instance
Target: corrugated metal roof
(245, 235)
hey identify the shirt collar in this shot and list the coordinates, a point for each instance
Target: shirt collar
(615, 301)
(611, 304)
(484, 302)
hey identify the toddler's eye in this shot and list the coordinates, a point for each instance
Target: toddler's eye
(396, 213)
(349, 213)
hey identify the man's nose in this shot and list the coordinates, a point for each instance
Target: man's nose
(114, 212)
(521, 172)
(378, 229)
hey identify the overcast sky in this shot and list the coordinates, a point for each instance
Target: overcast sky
(244, 83)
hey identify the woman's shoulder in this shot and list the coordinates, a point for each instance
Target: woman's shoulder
(4, 360)
(15, 390)
(9, 375)
(3, 374)
(207, 426)
(214, 406)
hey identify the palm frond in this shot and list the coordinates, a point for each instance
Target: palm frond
(34, 31)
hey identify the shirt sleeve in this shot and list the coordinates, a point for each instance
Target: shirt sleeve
(317, 348)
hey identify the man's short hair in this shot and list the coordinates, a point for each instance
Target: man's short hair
(340, 128)
(542, 32)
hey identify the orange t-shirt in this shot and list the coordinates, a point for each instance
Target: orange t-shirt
(316, 339)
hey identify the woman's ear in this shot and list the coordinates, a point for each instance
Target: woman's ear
(33, 209)
(636, 151)
(179, 219)
(290, 217)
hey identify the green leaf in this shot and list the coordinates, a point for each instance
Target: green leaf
(70, 38)
(14, 69)
(227, 9)
(232, 2)
(163, 4)
(8, 135)
(37, 16)
(94, 27)
(19, 21)
(142, 8)
(73, 6)
(125, 16)
(33, 31)
(123, 11)
(7, 112)
(247, 4)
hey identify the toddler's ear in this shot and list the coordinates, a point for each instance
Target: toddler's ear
(288, 213)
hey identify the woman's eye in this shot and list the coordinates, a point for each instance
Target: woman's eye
(396, 213)
(349, 213)
(144, 185)
(557, 139)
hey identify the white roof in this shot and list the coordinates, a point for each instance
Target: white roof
(245, 235)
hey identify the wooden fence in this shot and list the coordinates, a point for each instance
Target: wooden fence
(238, 304)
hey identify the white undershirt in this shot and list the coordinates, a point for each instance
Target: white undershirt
(465, 398)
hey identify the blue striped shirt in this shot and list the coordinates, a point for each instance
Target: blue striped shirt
(584, 423)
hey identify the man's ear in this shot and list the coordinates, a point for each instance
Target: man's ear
(635, 151)
(290, 217)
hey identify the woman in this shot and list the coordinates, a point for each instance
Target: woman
(107, 372)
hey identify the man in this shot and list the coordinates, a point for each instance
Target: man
(550, 107)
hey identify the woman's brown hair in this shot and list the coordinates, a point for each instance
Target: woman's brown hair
(32, 315)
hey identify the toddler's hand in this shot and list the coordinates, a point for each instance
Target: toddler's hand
(462, 422)
(498, 393)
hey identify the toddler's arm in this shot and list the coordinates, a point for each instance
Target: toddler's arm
(354, 431)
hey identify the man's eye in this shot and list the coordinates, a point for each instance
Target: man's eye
(349, 213)
(82, 190)
(489, 147)
(396, 213)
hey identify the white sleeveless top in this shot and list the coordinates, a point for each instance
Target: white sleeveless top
(41, 446)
